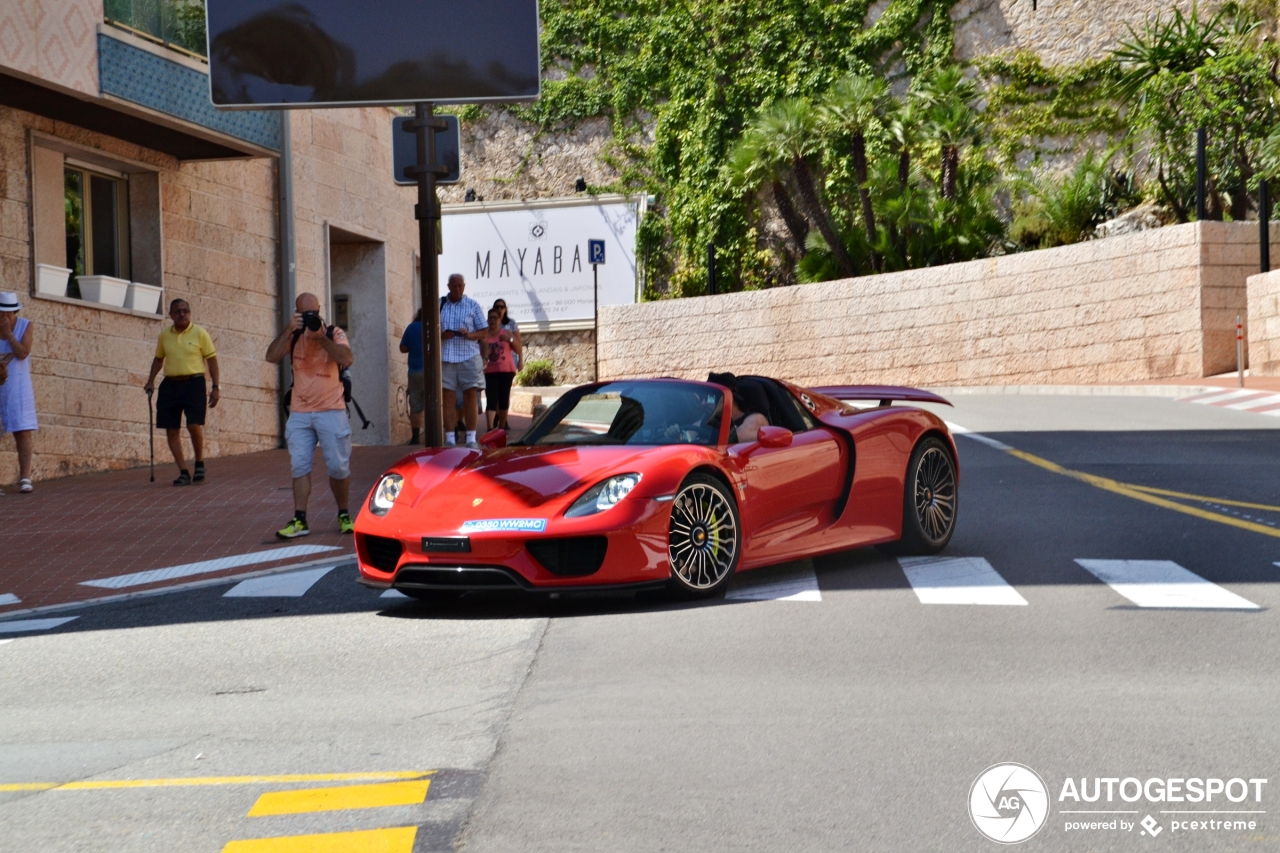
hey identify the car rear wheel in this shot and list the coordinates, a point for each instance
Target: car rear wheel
(704, 537)
(930, 500)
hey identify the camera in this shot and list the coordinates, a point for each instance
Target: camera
(311, 319)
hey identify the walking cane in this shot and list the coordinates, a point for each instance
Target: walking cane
(151, 431)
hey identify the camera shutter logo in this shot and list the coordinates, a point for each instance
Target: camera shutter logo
(1008, 803)
(537, 231)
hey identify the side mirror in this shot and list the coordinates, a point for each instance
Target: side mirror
(494, 439)
(773, 436)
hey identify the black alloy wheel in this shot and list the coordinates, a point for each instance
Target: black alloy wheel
(930, 500)
(704, 537)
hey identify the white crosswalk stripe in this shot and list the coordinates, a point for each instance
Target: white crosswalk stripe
(1240, 399)
(958, 580)
(206, 566)
(290, 585)
(28, 625)
(801, 586)
(9, 598)
(1164, 584)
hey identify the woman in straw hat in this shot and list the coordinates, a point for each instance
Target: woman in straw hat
(17, 397)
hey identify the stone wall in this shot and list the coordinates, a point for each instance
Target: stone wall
(1263, 326)
(1059, 31)
(89, 363)
(1148, 306)
(220, 252)
(573, 353)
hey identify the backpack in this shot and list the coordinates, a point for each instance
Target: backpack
(344, 376)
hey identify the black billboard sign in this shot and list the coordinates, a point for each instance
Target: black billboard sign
(330, 53)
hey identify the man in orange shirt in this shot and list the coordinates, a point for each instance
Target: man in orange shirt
(317, 411)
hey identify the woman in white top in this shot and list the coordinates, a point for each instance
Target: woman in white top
(17, 397)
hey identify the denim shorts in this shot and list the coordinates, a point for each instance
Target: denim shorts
(331, 430)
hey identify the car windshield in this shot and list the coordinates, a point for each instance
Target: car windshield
(634, 412)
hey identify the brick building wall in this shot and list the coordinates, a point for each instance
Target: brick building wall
(1148, 306)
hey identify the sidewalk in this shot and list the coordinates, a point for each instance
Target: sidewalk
(98, 526)
(125, 534)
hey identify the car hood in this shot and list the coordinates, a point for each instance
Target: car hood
(454, 485)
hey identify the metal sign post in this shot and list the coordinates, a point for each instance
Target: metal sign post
(595, 253)
(427, 212)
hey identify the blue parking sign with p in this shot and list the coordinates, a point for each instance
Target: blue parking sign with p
(595, 251)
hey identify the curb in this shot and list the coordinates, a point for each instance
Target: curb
(1081, 390)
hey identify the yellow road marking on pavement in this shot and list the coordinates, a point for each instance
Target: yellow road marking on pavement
(1151, 490)
(335, 799)
(1138, 493)
(108, 784)
(397, 840)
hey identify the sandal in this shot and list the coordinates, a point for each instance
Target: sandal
(198, 476)
(25, 486)
(184, 479)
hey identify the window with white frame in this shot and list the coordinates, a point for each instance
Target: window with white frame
(97, 222)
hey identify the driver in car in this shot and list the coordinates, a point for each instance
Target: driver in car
(749, 406)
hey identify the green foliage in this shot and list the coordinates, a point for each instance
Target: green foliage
(695, 73)
(1217, 74)
(1062, 208)
(537, 373)
(1043, 111)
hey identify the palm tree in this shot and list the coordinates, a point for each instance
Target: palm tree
(853, 106)
(951, 120)
(751, 166)
(787, 133)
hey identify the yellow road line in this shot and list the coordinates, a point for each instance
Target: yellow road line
(1151, 490)
(336, 799)
(108, 784)
(397, 840)
(1138, 493)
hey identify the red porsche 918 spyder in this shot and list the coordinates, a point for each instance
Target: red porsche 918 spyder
(636, 483)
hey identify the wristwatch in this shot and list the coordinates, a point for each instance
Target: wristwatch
(214, 387)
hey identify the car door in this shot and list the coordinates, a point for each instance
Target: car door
(788, 494)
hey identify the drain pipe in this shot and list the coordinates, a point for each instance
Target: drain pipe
(287, 283)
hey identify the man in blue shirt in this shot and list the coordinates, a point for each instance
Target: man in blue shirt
(462, 324)
(411, 343)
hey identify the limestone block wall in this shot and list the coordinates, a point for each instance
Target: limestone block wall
(89, 364)
(1147, 306)
(1263, 328)
(572, 352)
(342, 180)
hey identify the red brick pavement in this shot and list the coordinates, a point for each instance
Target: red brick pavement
(97, 526)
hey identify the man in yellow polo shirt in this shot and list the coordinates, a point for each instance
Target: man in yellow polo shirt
(183, 350)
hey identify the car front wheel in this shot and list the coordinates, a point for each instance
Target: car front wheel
(705, 537)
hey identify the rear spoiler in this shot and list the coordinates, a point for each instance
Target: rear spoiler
(886, 394)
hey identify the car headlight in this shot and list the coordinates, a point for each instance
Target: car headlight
(385, 494)
(600, 497)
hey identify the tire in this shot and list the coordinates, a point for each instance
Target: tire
(930, 500)
(704, 538)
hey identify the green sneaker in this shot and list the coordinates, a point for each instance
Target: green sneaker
(293, 530)
(345, 524)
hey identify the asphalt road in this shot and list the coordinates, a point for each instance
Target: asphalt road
(851, 716)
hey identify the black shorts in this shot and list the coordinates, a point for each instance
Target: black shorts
(178, 398)
(497, 391)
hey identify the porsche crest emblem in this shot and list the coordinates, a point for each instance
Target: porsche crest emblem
(477, 502)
